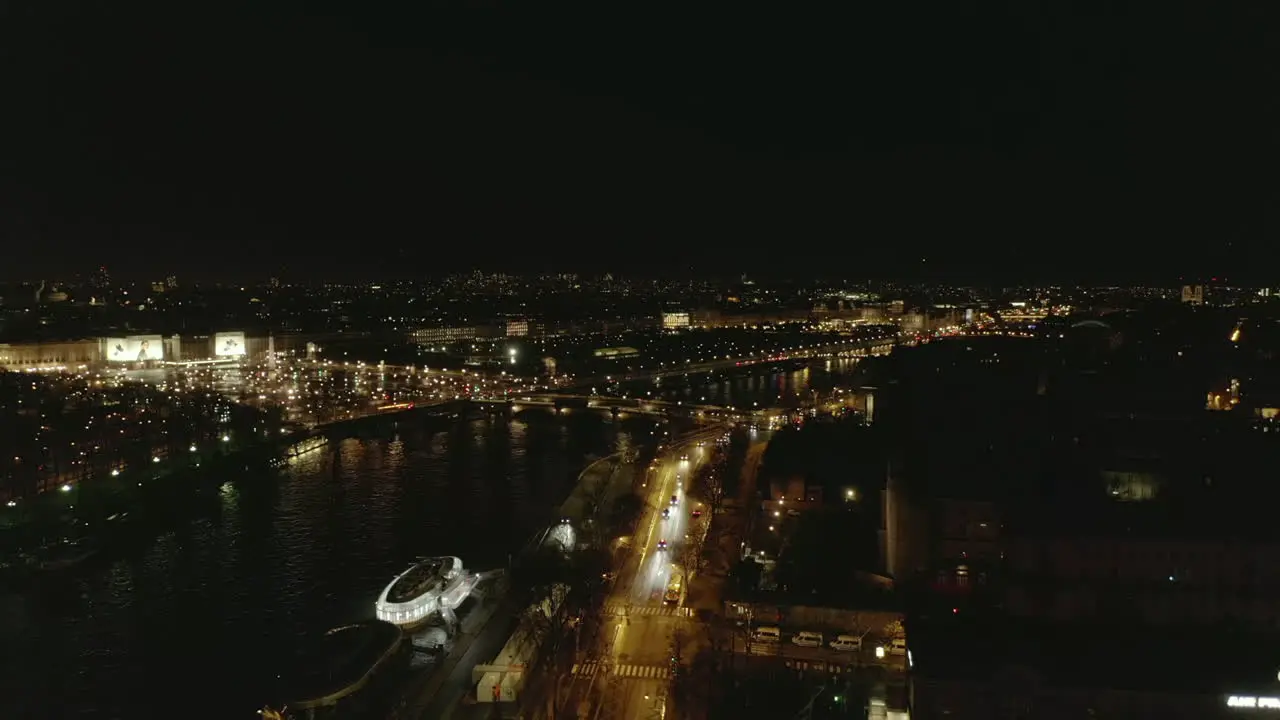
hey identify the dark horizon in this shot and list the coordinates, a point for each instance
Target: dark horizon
(985, 280)
(957, 143)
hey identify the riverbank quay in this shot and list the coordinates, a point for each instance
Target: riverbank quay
(439, 691)
(130, 500)
(143, 498)
(603, 483)
(448, 690)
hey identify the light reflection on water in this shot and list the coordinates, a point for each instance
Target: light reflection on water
(766, 389)
(201, 618)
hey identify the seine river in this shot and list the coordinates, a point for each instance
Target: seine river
(768, 388)
(198, 622)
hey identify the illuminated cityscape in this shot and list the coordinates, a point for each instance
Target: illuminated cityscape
(462, 361)
(691, 553)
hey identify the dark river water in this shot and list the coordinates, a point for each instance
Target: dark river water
(769, 388)
(197, 622)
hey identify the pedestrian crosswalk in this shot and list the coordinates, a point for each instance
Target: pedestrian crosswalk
(633, 672)
(633, 610)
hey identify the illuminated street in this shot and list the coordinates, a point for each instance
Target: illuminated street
(634, 665)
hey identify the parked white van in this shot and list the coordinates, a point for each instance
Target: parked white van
(807, 639)
(847, 643)
(767, 633)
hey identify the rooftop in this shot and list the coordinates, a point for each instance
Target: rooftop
(420, 578)
(1123, 658)
(1217, 516)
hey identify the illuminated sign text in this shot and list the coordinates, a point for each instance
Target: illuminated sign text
(1248, 701)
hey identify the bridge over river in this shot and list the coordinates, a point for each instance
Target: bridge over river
(581, 392)
(845, 348)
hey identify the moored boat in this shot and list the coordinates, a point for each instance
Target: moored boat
(430, 586)
(349, 673)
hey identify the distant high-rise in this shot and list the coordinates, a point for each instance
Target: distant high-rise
(100, 279)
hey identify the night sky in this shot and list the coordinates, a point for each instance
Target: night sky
(940, 139)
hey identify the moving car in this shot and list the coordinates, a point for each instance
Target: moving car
(666, 513)
(662, 544)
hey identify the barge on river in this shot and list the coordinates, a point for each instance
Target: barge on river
(429, 587)
(350, 673)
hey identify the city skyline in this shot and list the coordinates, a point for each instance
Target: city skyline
(900, 464)
(474, 359)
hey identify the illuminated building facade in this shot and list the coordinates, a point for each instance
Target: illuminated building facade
(675, 320)
(50, 356)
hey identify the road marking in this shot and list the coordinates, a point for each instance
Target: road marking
(628, 672)
(664, 477)
(620, 610)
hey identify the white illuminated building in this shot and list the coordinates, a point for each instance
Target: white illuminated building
(562, 535)
(433, 585)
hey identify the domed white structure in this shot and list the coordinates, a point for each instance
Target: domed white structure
(429, 587)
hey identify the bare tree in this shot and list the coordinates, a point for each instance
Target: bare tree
(711, 487)
(624, 452)
(595, 507)
(679, 640)
(577, 582)
(689, 557)
(625, 512)
(552, 631)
